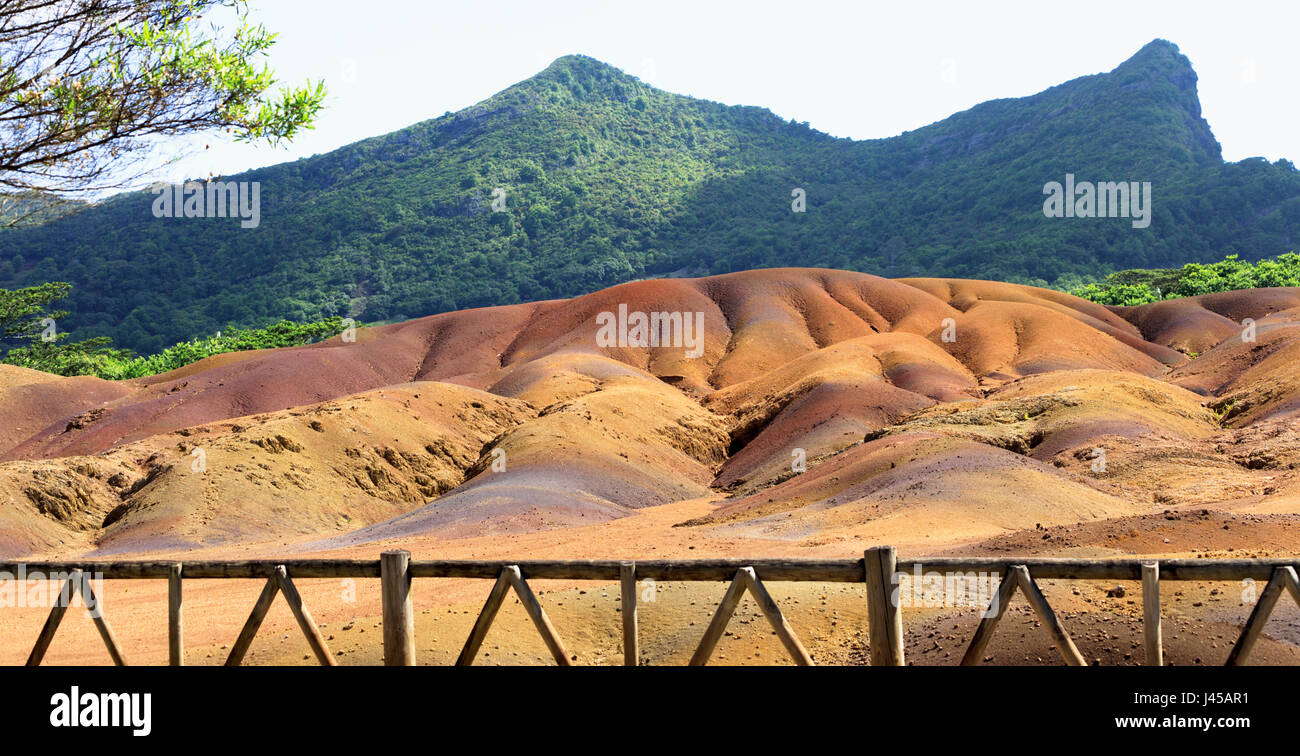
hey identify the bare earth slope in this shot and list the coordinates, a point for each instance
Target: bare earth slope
(814, 407)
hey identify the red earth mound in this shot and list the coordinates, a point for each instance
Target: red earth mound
(827, 403)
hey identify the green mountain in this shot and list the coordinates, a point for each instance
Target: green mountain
(606, 179)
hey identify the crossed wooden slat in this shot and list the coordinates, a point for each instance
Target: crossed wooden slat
(279, 582)
(77, 582)
(1282, 578)
(1018, 576)
(511, 577)
(747, 580)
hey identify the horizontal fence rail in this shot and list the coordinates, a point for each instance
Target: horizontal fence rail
(785, 570)
(879, 569)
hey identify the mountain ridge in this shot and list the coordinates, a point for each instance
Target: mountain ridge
(607, 179)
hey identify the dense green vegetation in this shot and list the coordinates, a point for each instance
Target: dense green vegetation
(29, 328)
(26, 321)
(283, 334)
(1135, 287)
(608, 180)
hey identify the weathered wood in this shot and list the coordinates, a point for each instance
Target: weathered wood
(822, 570)
(300, 613)
(1038, 601)
(1292, 582)
(884, 615)
(877, 570)
(818, 570)
(776, 619)
(53, 620)
(713, 633)
(1151, 629)
(300, 568)
(399, 611)
(175, 626)
(509, 578)
(825, 570)
(631, 643)
(1259, 617)
(992, 615)
(484, 621)
(1060, 568)
(254, 622)
(538, 616)
(101, 622)
(78, 582)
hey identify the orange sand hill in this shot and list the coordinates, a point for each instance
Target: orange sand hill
(823, 407)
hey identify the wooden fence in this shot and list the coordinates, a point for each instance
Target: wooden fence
(878, 570)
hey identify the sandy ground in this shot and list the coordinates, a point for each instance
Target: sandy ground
(825, 412)
(1201, 619)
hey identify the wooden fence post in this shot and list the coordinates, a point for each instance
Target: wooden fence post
(255, 619)
(52, 622)
(1052, 623)
(627, 583)
(399, 614)
(1260, 614)
(175, 636)
(1155, 653)
(884, 615)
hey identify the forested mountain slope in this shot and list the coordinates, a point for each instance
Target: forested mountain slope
(606, 180)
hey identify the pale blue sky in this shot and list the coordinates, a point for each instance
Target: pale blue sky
(852, 69)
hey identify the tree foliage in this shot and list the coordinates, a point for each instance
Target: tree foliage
(282, 334)
(88, 86)
(23, 313)
(1135, 287)
(26, 327)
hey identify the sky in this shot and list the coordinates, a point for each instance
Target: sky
(853, 69)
